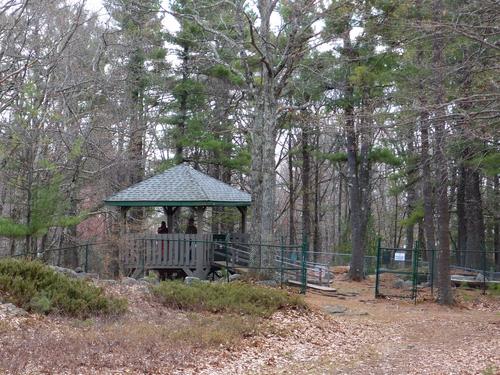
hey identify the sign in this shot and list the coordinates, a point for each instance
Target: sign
(399, 256)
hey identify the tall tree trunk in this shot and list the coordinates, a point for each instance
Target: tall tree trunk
(475, 222)
(445, 295)
(427, 189)
(411, 198)
(181, 123)
(358, 179)
(263, 145)
(425, 162)
(306, 184)
(291, 196)
(496, 225)
(317, 198)
(461, 216)
(339, 210)
(263, 177)
(137, 132)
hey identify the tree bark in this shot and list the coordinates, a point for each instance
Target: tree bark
(461, 216)
(291, 195)
(475, 242)
(445, 295)
(306, 184)
(496, 225)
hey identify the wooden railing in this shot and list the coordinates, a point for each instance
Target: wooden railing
(163, 251)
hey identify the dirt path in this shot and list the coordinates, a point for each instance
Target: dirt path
(377, 337)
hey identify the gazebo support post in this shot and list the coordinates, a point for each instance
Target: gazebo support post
(199, 217)
(115, 265)
(243, 211)
(169, 212)
(123, 220)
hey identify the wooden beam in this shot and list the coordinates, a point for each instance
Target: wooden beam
(169, 212)
(199, 218)
(243, 225)
(123, 219)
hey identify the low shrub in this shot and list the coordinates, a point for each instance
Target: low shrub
(35, 287)
(494, 289)
(237, 297)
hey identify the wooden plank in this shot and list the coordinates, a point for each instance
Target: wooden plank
(326, 289)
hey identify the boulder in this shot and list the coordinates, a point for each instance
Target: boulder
(234, 277)
(129, 281)
(408, 284)
(398, 284)
(335, 309)
(65, 271)
(191, 279)
(268, 283)
(13, 310)
(109, 281)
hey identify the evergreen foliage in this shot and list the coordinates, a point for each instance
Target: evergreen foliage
(35, 287)
(235, 297)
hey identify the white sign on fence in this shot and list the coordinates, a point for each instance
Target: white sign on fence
(399, 256)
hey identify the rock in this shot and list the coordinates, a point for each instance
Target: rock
(398, 284)
(78, 270)
(268, 283)
(191, 279)
(87, 276)
(234, 277)
(65, 271)
(335, 309)
(109, 281)
(13, 310)
(148, 280)
(408, 284)
(129, 281)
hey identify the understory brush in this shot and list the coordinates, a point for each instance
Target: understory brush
(236, 297)
(33, 286)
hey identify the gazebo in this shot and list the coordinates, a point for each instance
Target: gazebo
(180, 186)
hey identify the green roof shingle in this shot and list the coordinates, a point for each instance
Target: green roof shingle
(181, 185)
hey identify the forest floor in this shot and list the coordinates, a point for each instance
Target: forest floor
(350, 333)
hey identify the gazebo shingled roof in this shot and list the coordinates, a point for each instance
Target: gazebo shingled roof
(180, 186)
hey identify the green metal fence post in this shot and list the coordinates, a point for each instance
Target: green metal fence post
(227, 259)
(483, 248)
(377, 270)
(433, 257)
(260, 257)
(415, 271)
(87, 257)
(304, 265)
(281, 263)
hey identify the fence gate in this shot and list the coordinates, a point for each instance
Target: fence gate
(397, 272)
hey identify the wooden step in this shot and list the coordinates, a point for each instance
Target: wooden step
(321, 288)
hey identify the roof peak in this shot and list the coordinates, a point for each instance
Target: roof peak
(173, 187)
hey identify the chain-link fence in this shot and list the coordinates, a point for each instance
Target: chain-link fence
(404, 273)
(89, 257)
(279, 262)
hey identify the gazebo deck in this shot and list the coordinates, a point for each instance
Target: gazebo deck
(194, 254)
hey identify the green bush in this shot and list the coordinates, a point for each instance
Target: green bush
(494, 289)
(35, 287)
(237, 297)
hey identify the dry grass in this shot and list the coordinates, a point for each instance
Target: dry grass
(86, 346)
(152, 339)
(148, 339)
(237, 297)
